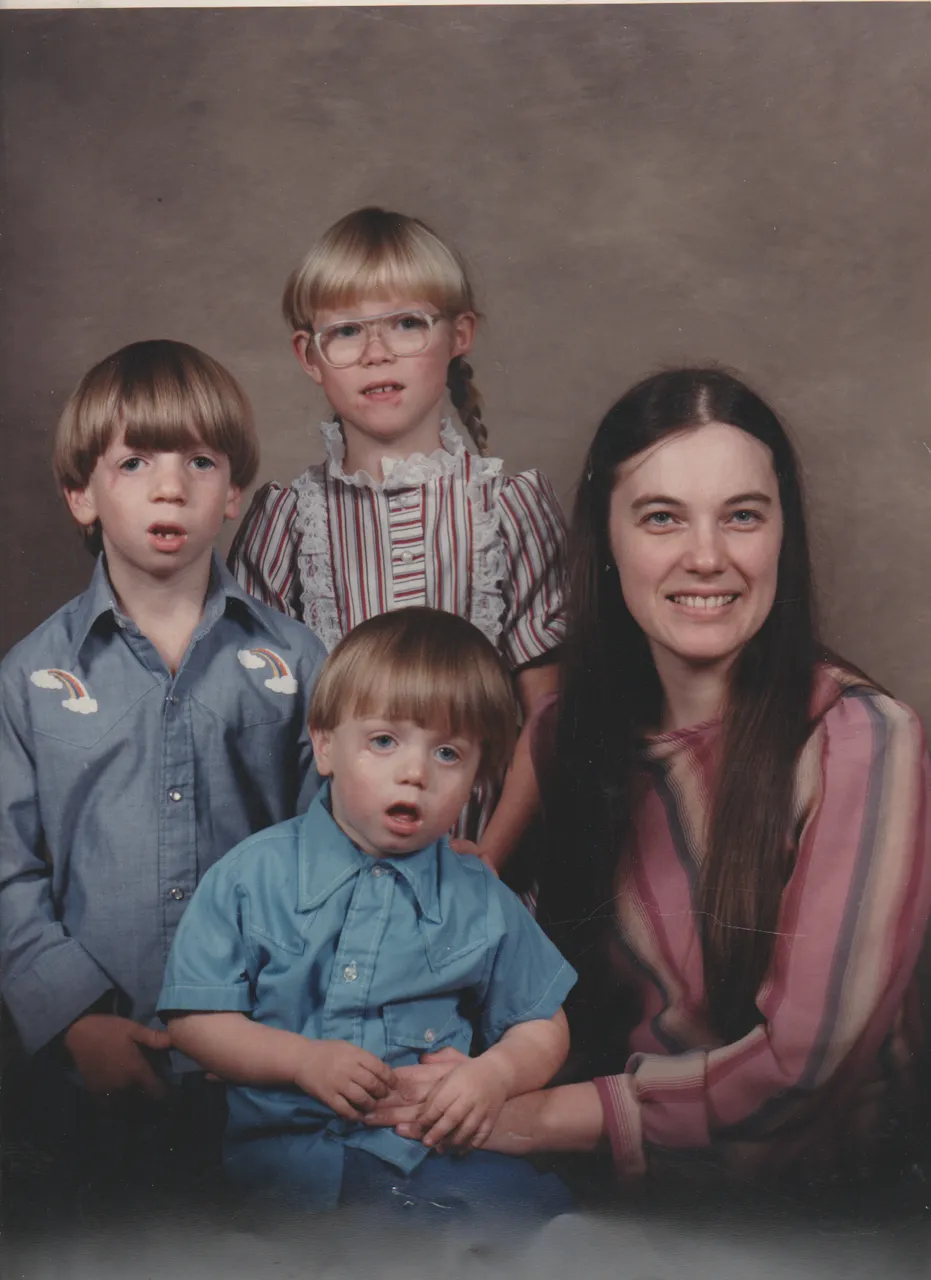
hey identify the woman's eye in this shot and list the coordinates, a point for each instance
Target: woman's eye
(203, 463)
(659, 519)
(381, 741)
(745, 518)
(448, 755)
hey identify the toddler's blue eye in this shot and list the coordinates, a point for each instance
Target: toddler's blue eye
(203, 463)
(448, 755)
(130, 465)
(348, 330)
(382, 741)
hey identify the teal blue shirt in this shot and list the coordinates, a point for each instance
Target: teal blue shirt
(300, 930)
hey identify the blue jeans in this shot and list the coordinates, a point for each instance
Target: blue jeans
(481, 1184)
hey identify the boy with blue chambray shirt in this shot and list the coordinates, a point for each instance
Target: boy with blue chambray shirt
(145, 728)
(322, 954)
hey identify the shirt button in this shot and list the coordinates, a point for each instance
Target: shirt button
(177, 894)
(407, 556)
(175, 795)
(429, 1035)
(174, 700)
(350, 972)
(377, 871)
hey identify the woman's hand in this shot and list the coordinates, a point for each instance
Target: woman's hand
(402, 1106)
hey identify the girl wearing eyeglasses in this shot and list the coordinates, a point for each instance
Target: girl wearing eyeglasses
(401, 513)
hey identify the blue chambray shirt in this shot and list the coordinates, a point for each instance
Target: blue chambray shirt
(303, 932)
(121, 785)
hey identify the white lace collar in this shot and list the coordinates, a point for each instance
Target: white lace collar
(399, 473)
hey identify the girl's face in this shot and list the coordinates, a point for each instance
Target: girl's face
(695, 527)
(393, 401)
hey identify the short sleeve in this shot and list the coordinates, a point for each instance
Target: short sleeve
(209, 966)
(534, 534)
(526, 977)
(263, 557)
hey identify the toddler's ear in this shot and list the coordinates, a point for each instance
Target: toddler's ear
(320, 740)
(82, 506)
(303, 344)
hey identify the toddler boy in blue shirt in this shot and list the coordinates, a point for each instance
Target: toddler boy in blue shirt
(325, 952)
(145, 728)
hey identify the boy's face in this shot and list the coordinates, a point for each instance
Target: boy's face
(159, 512)
(396, 786)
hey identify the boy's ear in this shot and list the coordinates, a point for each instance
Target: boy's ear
(233, 502)
(82, 506)
(303, 343)
(320, 740)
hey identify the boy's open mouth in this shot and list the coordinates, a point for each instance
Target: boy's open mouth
(403, 819)
(167, 537)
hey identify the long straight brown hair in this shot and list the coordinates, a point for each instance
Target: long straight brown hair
(611, 696)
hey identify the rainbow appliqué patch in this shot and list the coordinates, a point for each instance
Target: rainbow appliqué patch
(78, 700)
(281, 679)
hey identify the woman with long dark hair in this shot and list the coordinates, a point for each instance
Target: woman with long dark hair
(738, 822)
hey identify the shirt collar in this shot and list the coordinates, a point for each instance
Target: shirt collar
(100, 598)
(328, 858)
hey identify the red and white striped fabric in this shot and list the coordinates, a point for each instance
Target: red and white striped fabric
(449, 531)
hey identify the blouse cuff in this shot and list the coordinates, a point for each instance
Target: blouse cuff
(622, 1121)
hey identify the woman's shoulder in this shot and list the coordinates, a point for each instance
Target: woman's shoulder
(854, 718)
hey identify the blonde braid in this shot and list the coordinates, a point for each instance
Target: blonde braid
(468, 402)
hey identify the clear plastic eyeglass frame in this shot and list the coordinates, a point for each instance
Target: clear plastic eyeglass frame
(409, 343)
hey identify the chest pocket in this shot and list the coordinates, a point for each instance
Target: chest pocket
(428, 1024)
(250, 686)
(65, 709)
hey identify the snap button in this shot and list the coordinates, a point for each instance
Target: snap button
(429, 1035)
(350, 972)
(177, 894)
(175, 795)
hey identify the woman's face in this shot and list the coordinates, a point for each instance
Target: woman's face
(695, 527)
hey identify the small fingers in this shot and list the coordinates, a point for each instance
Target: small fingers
(357, 1096)
(442, 1127)
(482, 1134)
(373, 1085)
(379, 1069)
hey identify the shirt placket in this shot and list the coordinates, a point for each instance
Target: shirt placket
(406, 541)
(360, 943)
(177, 844)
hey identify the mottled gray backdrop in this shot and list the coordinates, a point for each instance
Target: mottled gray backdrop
(634, 186)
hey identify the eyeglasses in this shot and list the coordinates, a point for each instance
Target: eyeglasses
(402, 333)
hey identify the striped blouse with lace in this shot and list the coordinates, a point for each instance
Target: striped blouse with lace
(447, 530)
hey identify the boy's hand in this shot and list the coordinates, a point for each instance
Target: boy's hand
(107, 1052)
(346, 1078)
(461, 1109)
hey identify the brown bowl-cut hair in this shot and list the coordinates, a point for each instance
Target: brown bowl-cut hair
(167, 396)
(427, 666)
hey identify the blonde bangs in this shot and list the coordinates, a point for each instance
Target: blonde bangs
(426, 666)
(166, 396)
(372, 253)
